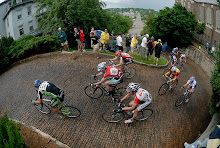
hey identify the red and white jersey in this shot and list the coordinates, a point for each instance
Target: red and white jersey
(182, 56)
(142, 95)
(126, 57)
(112, 72)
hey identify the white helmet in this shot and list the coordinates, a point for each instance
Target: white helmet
(133, 87)
(192, 78)
(173, 68)
(101, 66)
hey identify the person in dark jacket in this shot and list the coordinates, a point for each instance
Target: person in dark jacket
(158, 49)
(128, 43)
(63, 39)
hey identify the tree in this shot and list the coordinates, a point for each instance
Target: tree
(200, 28)
(148, 23)
(218, 2)
(175, 25)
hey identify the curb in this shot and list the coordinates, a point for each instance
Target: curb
(42, 134)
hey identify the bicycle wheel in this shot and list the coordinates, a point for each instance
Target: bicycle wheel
(93, 92)
(129, 72)
(180, 100)
(144, 114)
(71, 112)
(166, 71)
(163, 89)
(43, 108)
(118, 93)
(112, 117)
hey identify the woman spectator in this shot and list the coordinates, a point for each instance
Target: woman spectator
(82, 39)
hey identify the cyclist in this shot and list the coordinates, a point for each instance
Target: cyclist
(175, 51)
(190, 86)
(108, 71)
(125, 58)
(182, 57)
(50, 89)
(173, 75)
(173, 59)
(142, 99)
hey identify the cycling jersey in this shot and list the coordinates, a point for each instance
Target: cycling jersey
(175, 73)
(112, 72)
(125, 57)
(182, 56)
(174, 50)
(50, 89)
(142, 95)
(173, 59)
(192, 84)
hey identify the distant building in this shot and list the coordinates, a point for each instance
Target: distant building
(18, 18)
(208, 12)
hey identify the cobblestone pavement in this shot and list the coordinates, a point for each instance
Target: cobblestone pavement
(169, 127)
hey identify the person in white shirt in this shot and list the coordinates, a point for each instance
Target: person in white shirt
(119, 42)
(144, 46)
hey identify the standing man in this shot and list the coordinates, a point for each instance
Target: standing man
(104, 39)
(119, 42)
(76, 34)
(158, 49)
(144, 46)
(128, 43)
(63, 39)
(95, 43)
(150, 46)
(133, 44)
(164, 49)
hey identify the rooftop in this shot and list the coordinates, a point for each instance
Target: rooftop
(207, 1)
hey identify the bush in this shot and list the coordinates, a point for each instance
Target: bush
(215, 83)
(30, 45)
(10, 134)
(5, 43)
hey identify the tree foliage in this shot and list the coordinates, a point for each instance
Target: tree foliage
(148, 20)
(175, 25)
(200, 28)
(83, 14)
(215, 83)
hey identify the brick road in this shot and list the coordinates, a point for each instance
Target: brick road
(169, 127)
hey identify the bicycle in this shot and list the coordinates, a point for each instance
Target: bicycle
(181, 65)
(129, 72)
(95, 92)
(182, 98)
(167, 85)
(112, 116)
(68, 111)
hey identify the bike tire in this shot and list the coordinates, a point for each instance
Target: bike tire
(118, 93)
(70, 111)
(112, 117)
(163, 89)
(43, 108)
(129, 72)
(93, 92)
(144, 114)
(180, 100)
(166, 71)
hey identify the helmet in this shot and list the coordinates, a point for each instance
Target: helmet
(37, 83)
(192, 78)
(117, 52)
(101, 66)
(176, 48)
(173, 68)
(133, 87)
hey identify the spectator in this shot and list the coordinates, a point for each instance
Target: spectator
(139, 39)
(114, 44)
(63, 39)
(133, 44)
(158, 49)
(82, 39)
(104, 39)
(92, 30)
(95, 43)
(128, 43)
(151, 47)
(76, 34)
(208, 47)
(119, 42)
(144, 46)
(213, 50)
(164, 49)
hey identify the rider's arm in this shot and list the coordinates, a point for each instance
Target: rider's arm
(121, 63)
(115, 58)
(99, 74)
(126, 96)
(174, 78)
(130, 108)
(191, 90)
(185, 85)
(167, 73)
(100, 82)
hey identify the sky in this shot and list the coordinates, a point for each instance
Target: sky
(152, 4)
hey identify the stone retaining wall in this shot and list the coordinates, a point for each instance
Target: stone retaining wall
(199, 58)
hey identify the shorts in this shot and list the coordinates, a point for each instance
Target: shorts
(157, 55)
(96, 47)
(132, 48)
(64, 43)
(56, 101)
(120, 48)
(78, 42)
(150, 52)
(145, 104)
(116, 81)
(193, 89)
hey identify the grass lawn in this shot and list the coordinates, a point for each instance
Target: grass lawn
(162, 60)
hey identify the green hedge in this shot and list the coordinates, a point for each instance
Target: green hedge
(10, 134)
(215, 83)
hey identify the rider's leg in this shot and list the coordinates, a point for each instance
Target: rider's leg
(188, 88)
(135, 114)
(130, 104)
(107, 85)
(56, 109)
(38, 101)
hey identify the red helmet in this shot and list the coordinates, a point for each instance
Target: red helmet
(117, 52)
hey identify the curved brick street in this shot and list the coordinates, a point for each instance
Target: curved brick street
(169, 127)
